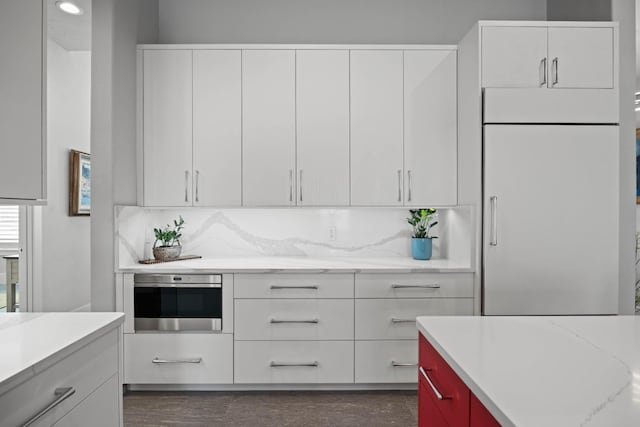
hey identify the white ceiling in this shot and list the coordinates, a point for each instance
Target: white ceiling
(69, 31)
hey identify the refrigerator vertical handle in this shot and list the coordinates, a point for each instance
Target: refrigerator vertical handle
(493, 202)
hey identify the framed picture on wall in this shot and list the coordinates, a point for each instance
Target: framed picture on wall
(638, 166)
(79, 183)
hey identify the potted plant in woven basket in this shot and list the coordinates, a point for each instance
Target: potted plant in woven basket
(422, 221)
(169, 239)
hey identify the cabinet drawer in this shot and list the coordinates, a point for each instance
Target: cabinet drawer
(423, 285)
(84, 370)
(303, 319)
(293, 286)
(188, 358)
(100, 409)
(396, 318)
(428, 413)
(386, 361)
(295, 362)
(454, 405)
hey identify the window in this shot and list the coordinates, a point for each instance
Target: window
(9, 223)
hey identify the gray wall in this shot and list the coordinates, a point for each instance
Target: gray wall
(333, 21)
(579, 10)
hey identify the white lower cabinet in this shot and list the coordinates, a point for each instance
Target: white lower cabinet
(98, 407)
(386, 361)
(288, 362)
(181, 358)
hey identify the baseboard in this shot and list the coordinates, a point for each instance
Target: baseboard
(271, 387)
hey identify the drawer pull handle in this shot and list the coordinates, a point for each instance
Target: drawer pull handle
(284, 365)
(294, 287)
(61, 394)
(403, 365)
(433, 387)
(196, 360)
(434, 286)
(396, 320)
(294, 321)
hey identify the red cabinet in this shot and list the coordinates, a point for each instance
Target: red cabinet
(443, 398)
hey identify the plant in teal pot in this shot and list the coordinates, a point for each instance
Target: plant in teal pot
(422, 221)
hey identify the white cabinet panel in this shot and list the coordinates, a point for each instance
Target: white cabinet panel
(217, 128)
(293, 285)
(386, 361)
(294, 319)
(296, 362)
(514, 56)
(167, 127)
(547, 190)
(430, 127)
(100, 409)
(583, 57)
(322, 115)
(376, 128)
(22, 100)
(268, 111)
(415, 285)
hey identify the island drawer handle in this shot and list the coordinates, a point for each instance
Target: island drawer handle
(294, 287)
(433, 387)
(283, 365)
(434, 286)
(402, 365)
(396, 320)
(294, 321)
(61, 394)
(196, 360)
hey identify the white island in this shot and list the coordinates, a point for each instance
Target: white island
(61, 368)
(545, 371)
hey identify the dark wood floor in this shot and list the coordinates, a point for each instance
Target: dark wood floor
(266, 409)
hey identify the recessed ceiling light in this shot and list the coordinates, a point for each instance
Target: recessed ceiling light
(69, 7)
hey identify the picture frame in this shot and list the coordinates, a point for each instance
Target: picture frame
(79, 183)
(637, 165)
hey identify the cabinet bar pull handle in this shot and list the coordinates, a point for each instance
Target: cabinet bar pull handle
(402, 365)
(493, 200)
(543, 66)
(435, 390)
(554, 65)
(282, 364)
(409, 179)
(291, 185)
(434, 286)
(196, 360)
(186, 186)
(61, 394)
(197, 185)
(399, 185)
(396, 320)
(294, 321)
(294, 287)
(300, 184)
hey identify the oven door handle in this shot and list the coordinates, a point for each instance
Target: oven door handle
(195, 360)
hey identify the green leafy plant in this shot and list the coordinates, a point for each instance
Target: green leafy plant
(422, 221)
(169, 236)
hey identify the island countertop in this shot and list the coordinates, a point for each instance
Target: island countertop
(545, 371)
(33, 341)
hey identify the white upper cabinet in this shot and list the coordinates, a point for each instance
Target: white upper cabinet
(571, 57)
(217, 128)
(167, 129)
(322, 116)
(430, 127)
(22, 101)
(269, 134)
(376, 128)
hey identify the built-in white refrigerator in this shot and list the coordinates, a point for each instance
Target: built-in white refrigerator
(550, 218)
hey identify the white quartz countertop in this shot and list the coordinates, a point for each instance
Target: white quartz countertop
(299, 264)
(30, 341)
(546, 371)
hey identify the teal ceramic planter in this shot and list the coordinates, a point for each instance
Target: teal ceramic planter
(421, 248)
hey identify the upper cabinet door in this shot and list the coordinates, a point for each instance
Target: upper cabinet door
(217, 128)
(376, 128)
(322, 114)
(268, 111)
(22, 100)
(581, 57)
(430, 127)
(514, 57)
(167, 128)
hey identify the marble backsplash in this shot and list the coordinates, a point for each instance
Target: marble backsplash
(321, 232)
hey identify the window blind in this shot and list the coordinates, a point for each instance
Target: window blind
(9, 223)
